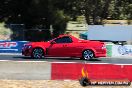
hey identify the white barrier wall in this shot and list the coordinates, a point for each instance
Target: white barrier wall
(25, 70)
(118, 50)
(110, 33)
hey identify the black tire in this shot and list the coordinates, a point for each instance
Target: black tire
(37, 53)
(84, 81)
(87, 54)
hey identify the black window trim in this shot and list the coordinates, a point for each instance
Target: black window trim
(63, 37)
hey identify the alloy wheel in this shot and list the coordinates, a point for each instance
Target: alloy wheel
(88, 54)
(37, 53)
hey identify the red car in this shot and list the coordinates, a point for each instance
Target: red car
(65, 46)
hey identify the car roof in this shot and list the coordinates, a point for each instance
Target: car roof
(68, 35)
(64, 35)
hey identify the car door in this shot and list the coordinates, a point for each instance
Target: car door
(73, 49)
(64, 47)
(67, 46)
(58, 48)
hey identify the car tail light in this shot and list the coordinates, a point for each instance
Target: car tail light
(104, 46)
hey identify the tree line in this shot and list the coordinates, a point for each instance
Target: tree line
(43, 13)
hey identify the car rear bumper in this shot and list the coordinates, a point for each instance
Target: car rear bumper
(100, 55)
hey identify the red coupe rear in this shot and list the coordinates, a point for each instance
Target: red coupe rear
(65, 46)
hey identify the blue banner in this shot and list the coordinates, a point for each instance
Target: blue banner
(11, 46)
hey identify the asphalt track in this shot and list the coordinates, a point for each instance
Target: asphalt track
(21, 67)
(114, 60)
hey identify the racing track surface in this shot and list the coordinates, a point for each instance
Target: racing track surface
(116, 60)
(20, 67)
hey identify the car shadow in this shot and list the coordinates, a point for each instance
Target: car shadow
(95, 59)
(22, 57)
(46, 58)
(55, 59)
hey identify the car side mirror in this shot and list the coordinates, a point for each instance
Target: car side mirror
(53, 42)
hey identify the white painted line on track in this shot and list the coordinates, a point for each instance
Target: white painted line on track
(109, 63)
(64, 62)
(91, 63)
(5, 60)
(21, 61)
(68, 62)
(31, 61)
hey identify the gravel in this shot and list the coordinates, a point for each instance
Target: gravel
(48, 84)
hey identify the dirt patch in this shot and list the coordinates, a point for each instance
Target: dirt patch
(48, 84)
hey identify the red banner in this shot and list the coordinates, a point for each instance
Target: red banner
(73, 71)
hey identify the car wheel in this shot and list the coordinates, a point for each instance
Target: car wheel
(88, 54)
(37, 53)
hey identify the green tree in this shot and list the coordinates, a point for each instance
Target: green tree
(43, 13)
(121, 9)
(59, 22)
(97, 10)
